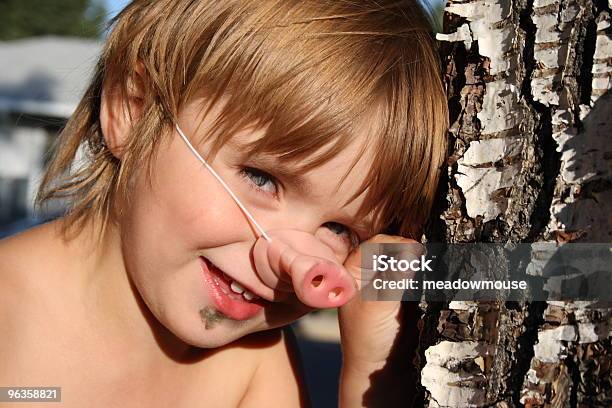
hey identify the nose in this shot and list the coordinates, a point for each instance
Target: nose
(299, 257)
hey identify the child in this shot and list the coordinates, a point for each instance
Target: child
(327, 121)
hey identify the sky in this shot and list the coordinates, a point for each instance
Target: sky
(114, 6)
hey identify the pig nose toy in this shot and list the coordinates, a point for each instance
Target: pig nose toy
(317, 280)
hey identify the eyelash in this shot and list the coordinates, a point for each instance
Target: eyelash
(353, 238)
(251, 173)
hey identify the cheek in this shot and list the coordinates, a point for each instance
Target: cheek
(340, 248)
(184, 209)
(198, 211)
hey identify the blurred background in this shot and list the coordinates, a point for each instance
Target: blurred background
(48, 49)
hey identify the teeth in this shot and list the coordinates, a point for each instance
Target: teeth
(236, 287)
(248, 295)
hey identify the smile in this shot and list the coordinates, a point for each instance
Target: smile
(237, 288)
(230, 297)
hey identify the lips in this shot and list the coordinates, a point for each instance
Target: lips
(229, 296)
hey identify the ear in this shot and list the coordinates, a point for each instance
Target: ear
(114, 117)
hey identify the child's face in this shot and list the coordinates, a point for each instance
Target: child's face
(182, 232)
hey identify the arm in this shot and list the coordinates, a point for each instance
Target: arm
(378, 343)
(389, 382)
(278, 380)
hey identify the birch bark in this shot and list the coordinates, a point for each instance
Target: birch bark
(531, 161)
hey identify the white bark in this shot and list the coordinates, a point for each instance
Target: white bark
(529, 85)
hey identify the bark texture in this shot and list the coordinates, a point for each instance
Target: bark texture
(531, 161)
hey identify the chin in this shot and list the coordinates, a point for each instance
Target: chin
(212, 330)
(212, 340)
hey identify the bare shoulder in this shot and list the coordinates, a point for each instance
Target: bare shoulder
(22, 255)
(278, 377)
(24, 260)
(16, 254)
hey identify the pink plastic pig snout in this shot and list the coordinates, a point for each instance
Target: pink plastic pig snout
(300, 257)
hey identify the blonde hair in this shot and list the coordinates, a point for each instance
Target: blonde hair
(306, 70)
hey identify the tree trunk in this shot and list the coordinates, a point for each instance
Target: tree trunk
(531, 161)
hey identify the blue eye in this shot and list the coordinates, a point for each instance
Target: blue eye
(260, 180)
(343, 233)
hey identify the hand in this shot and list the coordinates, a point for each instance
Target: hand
(369, 330)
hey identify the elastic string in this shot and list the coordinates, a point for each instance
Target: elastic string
(225, 186)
